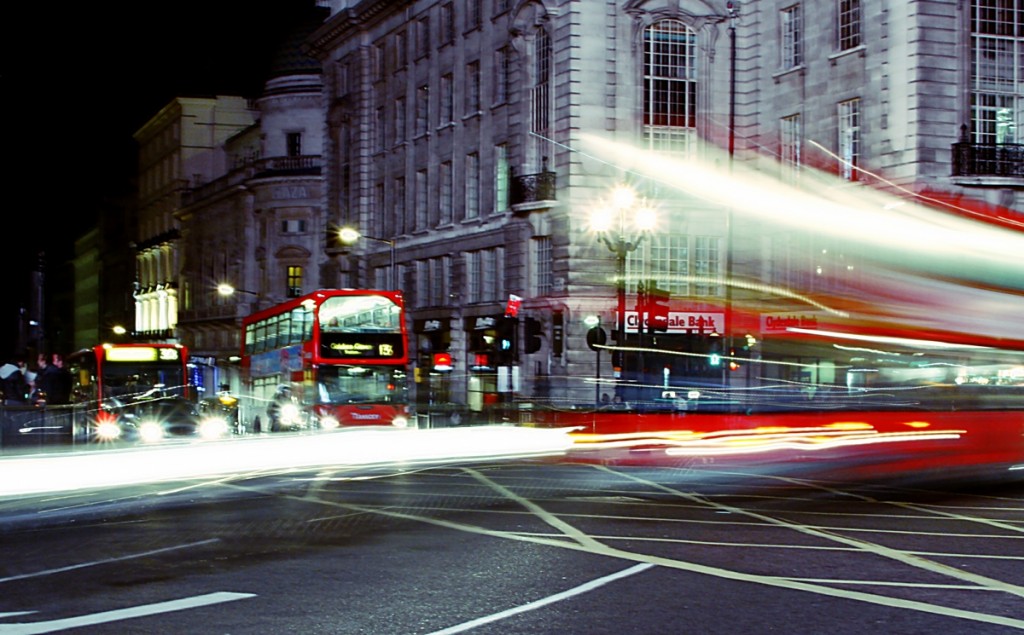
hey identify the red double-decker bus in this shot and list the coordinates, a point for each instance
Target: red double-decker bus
(333, 357)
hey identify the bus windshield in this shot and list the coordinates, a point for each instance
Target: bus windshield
(361, 384)
(135, 380)
(360, 314)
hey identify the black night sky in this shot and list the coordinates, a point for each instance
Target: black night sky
(77, 79)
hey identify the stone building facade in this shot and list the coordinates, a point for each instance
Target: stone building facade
(457, 133)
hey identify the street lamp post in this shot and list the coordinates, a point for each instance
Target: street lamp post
(227, 289)
(622, 223)
(349, 236)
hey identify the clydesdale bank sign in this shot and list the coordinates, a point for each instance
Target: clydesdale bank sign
(683, 322)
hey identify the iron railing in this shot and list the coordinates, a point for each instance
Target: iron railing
(988, 159)
(532, 188)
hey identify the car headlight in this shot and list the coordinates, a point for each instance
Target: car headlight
(150, 431)
(400, 422)
(289, 413)
(213, 428)
(329, 423)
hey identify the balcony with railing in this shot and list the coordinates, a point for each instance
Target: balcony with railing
(306, 165)
(531, 191)
(1005, 160)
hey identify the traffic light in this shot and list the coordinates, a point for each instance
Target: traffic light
(533, 334)
(715, 354)
(657, 307)
(507, 328)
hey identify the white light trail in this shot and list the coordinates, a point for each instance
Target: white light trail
(351, 447)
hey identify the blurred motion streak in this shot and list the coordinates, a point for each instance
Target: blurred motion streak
(354, 448)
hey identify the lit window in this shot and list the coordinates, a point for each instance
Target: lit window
(294, 281)
(997, 71)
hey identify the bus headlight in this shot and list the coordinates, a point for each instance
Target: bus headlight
(150, 431)
(107, 430)
(400, 422)
(213, 428)
(329, 423)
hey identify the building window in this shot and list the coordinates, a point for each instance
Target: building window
(541, 94)
(422, 109)
(792, 32)
(473, 88)
(398, 206)
(542, 257)
(293, 281)
(849, 24)
(472, 185)
(447, 105)
(293, 142)
(789, 141)
(501, 184)
(423, 36)
(293, 226)
(423, 282)
(489, 274)
(400, 133)
(997, 71)
(474, 12)
(670, 87)
(849, 138)
(669, 260)
(377, 62)
(447, 23)
(401, 49)
(421, 199)
(501, 74)
(707, 266)
(445, 204)
(380, 128)
(473, 281)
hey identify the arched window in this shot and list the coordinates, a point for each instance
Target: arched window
(670, 86)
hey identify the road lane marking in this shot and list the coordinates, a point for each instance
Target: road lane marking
(537, 510)
(683, 565)
(95, 563)
(551, 599)
(51, 626)
(868, 547)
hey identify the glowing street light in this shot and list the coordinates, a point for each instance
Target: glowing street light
(621, 223)
(225, 289)
(350, 235)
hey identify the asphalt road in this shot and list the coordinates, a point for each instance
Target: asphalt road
(545, 545)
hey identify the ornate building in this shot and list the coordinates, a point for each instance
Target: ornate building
(256, 230)
(180, 148)
(457, 136)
